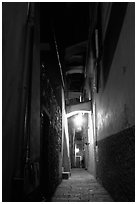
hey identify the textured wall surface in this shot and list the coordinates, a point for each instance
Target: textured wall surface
(91, 159)
(51, 140)
(116, 165)
(115, 111)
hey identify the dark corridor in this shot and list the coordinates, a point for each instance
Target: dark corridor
(68, 101)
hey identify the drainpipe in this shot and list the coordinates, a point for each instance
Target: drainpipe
(27, 86)
(28, 81)
(18, 179)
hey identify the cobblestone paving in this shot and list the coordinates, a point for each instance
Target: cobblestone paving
(81, 187)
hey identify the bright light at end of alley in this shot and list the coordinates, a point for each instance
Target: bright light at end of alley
(78, 120)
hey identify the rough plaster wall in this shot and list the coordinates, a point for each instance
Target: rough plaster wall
(62, 102)
(116, 104)
(63, 124)
(66, 146)
(13, 39)
(91, 160)
(71, 130)
(116, 165)
(65, 138)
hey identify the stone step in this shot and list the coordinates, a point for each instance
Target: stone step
(66, 175)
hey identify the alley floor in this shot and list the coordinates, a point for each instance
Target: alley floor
(81, 187)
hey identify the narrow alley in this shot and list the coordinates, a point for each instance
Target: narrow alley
(68, 101)
(81, 187)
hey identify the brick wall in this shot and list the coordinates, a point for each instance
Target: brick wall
(116, 165)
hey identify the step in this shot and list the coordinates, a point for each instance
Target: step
(66, 175)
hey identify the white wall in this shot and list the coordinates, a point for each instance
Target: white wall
(116, 103)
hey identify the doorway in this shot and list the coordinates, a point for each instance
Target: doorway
(78, 162)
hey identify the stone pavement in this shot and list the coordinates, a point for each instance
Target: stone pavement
(81, 187)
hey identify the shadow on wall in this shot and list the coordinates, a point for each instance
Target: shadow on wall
(112, 35)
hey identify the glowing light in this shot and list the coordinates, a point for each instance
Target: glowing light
(78, 120)
(79, 128)
(76, 150)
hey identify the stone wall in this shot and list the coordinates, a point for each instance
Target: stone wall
(51, 139)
